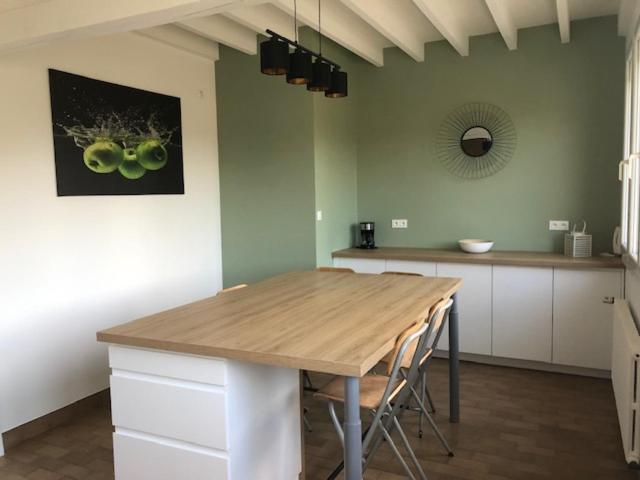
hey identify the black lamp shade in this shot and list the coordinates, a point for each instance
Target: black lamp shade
(337, 85)
(274, 57)
(300, 64)
(320, 76)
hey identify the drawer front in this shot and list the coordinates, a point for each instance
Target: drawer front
(148, 459)
(165, 364)
(192, 413)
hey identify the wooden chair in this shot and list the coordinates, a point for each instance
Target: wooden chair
(231, 289)
(377, 394)
(335, 269)
(385, 396)
(438, 315)
(389, 272)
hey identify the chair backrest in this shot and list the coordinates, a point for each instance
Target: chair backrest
(335, 269)
(435, 322)
(396, 390)
(390, 272)
(231, 289)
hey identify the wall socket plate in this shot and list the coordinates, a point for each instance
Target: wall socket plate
(559, 225)
(319, 215)
(399, 223)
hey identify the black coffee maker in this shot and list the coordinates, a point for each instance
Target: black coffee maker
(366, 235)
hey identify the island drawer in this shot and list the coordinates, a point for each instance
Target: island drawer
(176, 409)
(139, 458)
(166, 364)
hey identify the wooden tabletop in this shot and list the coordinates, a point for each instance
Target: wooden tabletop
(522, 259)
(338, 323)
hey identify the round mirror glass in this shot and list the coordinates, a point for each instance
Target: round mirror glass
(476, 141)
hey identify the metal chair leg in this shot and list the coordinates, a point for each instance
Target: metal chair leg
(396, 452)
(307, 424)
(409, 450)
(434, 427)
(426, 391)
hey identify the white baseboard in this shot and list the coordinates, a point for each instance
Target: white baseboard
(528, 364)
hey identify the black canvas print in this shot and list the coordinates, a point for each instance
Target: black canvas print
(114, 140)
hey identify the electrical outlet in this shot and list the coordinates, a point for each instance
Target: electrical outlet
(558, 224)
(319, 215)
(399, 223)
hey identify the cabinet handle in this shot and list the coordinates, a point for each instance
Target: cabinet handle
(609, 300)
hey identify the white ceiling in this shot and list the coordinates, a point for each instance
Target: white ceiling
(365, 27)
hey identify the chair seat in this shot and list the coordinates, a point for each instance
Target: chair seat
(371, 390)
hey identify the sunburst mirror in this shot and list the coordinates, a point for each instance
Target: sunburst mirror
(476, 140)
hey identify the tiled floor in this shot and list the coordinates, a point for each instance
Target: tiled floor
(516, 424)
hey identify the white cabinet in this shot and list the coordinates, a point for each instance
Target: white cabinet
(428, 269)
(474, 306)
(179, 416)
(361, 265)
(581, 320)
(522, 312)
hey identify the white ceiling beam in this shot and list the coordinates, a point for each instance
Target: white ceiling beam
(446, 24)
(390, 21)
(564, 20)
(628, 15)
(46, 21)
(223, 30)
(352, 34)
(504, 22)
(263, 17)
(182, 40)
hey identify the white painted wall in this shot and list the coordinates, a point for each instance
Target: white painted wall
(71, 266)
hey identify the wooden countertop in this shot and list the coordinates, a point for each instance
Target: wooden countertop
(338, 323)
(523, 259)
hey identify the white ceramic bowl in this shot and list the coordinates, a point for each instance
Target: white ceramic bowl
(474, 245)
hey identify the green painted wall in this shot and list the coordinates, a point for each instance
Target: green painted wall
(265, 129)
(285, 152)
(566, 101)
(336, 160)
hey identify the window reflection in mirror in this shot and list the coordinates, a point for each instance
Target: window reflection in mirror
(476, 141)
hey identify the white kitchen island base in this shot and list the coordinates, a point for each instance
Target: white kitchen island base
(180, 416)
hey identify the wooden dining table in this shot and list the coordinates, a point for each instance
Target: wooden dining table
(336, 323)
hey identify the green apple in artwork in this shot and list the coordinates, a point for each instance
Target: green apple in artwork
(130, 154)
(131, 169)
(103, 156)
(152, 155)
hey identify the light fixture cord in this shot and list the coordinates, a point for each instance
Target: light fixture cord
(295, 20)
(319, 31)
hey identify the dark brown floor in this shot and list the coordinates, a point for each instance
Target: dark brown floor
(516, 424)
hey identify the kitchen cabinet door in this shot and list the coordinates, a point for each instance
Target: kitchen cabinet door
(361, 265)
(474, 306)
(428, 269)
(522, 312)
(582, 322)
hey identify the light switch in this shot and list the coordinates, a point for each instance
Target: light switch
(319, 215)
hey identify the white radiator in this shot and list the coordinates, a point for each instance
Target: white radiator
(625, 375)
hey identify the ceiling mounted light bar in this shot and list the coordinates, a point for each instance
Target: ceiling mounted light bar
(321, 75)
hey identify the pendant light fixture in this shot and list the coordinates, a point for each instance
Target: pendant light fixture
(321, 71)
(299, 60)
(274, 57)
(337, 84)
(321, 75)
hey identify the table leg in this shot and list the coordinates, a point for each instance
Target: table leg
(352, 429)
(454, 363)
